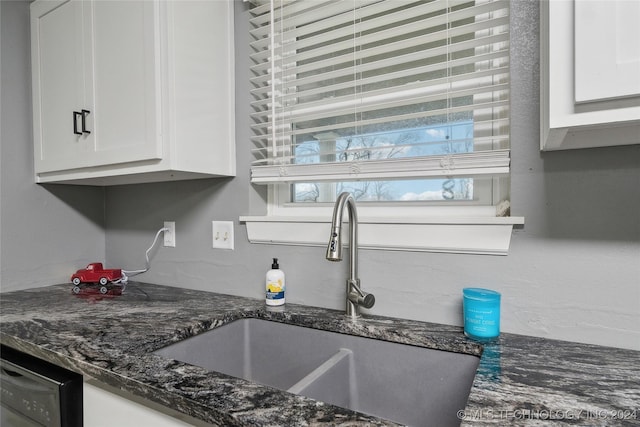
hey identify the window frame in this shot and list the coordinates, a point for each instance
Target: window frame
(433, 226)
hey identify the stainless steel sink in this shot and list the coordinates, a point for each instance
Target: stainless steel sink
(402, 383)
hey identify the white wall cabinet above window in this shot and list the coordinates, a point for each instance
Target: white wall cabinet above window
(130, 92)
(590, 73)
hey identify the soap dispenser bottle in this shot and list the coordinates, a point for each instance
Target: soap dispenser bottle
(275, 285)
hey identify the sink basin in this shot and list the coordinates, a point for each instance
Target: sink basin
(398, 382)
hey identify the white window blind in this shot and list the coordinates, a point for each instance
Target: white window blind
(341, 88)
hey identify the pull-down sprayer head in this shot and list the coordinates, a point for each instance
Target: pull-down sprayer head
(334, 249)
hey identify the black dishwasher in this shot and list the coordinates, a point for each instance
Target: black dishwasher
(34, 392)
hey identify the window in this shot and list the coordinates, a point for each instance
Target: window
(381, 146)
(403, 103)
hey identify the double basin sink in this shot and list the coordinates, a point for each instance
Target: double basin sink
(398, 382)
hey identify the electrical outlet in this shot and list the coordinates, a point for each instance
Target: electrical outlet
(222, 234)
(170, 234)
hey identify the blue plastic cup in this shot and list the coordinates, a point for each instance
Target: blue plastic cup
(481, 309)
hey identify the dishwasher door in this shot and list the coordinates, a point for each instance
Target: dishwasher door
(34, 392)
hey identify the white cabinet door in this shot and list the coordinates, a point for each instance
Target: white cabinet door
(123, 81)
(95, 83)
(608, 60)
(103, 408)
(58, 83)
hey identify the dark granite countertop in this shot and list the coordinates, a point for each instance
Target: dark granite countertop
(521, 380)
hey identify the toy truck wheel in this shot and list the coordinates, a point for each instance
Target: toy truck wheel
(76, 289)
(76, 281)
(103, 281)
(103, 289)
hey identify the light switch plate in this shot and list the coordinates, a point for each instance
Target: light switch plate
(222, 234)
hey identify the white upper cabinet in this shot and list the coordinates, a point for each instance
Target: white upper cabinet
(590, 73)
(132, 91)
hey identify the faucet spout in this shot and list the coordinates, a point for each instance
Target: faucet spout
(355, 296)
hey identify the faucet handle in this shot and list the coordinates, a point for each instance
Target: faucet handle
(366, 301)
(357, 296)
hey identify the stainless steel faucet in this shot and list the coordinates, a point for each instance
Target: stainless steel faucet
(355, 296)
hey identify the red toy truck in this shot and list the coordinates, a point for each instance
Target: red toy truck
(95, 273)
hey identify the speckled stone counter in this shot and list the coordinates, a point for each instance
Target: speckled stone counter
(520, 380)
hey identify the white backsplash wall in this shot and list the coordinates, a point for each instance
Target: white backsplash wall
(572, 273)
(45, 232)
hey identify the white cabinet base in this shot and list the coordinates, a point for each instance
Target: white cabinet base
(126, 174)
(104, 408)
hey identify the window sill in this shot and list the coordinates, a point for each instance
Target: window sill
(465, 235)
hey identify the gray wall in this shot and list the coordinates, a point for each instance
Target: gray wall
(572, 273)
(45, 232)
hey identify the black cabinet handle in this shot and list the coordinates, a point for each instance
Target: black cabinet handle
(85, 113)
(75, 122)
